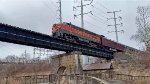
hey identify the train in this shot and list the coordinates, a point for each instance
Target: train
(75, 34)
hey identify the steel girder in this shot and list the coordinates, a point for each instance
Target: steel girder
(21, 36)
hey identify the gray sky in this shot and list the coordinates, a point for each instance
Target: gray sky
(40, 15)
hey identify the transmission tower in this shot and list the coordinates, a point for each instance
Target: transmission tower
(60, 11)
(82, 12)
(115, 23)
(37, 53)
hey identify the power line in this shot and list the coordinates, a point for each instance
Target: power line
(103, 6)
(108, 9)
(50, 4)
(94, 25)
(115, 23)
(60, 11)
(99, 14)
(102, 12)
(53, 3)
(76, 8)
(82, 12)
(97, 19)
(51, 10)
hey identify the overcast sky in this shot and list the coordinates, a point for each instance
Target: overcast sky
(40, 15)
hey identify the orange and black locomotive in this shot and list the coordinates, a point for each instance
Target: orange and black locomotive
(72, 33)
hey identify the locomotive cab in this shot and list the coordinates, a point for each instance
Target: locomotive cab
(55, 30)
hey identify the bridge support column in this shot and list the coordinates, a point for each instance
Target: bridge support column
(68, 63)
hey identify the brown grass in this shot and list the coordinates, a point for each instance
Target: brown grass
(9, 70)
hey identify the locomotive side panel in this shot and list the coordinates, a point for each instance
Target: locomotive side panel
(70, 34)
(81, 29)
(82, 34)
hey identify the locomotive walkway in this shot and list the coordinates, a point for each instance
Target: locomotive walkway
(21, 36)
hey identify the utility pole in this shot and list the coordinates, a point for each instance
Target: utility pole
(25, 55)
(39, 52)
(82, 20)
(115, 23)
(60, 11)
(48, 51)
(82, 12)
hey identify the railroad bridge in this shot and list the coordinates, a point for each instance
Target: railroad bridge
(22, 36)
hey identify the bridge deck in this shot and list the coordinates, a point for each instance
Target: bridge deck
(21, 36)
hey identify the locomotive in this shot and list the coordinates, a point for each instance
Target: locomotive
(75, 34)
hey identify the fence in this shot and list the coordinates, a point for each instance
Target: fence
(50, 79)
(123, 77)
(70, 79)
(25, 79)
(35, 79)
(11, 80)
(127, 79)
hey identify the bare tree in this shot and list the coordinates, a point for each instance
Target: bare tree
(25, 57)
(10, 58)
(143, 23)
